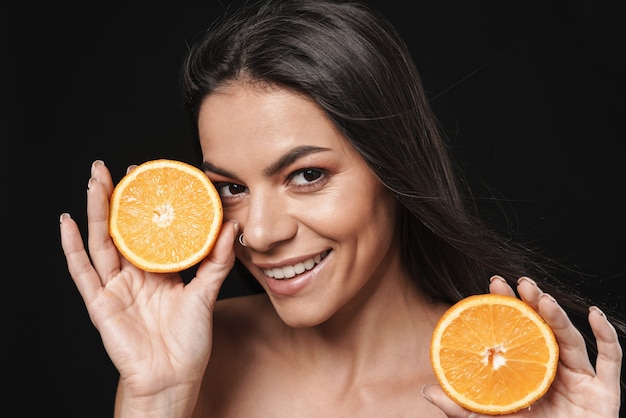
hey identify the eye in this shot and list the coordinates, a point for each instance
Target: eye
(307, 176)
(229, 189)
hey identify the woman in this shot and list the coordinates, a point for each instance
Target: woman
(342, 203)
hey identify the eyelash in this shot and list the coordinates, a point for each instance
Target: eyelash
(312, 185)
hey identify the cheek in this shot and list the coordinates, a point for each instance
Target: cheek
(367, 211)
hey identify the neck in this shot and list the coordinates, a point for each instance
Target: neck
(386, 328)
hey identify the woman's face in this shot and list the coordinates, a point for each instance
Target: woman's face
(318, 225)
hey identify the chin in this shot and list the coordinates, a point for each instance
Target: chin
(296, 315)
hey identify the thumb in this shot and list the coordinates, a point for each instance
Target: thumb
(215, 268)
(435, 395)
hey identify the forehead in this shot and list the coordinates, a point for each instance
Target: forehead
(257, 100)
(260, 115)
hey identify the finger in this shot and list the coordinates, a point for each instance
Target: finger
(84, 275)
(104, 254)
(435, 395)
(529, 291)
(572, 348)
(213, 270)
(498, 285)
(609, 360)
(573, 351)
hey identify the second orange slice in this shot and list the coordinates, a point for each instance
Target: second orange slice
(494, 354)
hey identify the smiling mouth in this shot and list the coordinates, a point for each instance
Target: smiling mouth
(288, 272)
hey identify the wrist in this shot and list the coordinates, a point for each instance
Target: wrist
(169, 403)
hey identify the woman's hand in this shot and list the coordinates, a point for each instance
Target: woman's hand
(156, 330)
(579, 389)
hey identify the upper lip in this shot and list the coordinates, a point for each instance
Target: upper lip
(288, 261)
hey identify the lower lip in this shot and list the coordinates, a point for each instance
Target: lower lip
(290, 287)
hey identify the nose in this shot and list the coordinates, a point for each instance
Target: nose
(268, 221)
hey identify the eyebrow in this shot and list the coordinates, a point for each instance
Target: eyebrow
(290, 157)
(284, 161)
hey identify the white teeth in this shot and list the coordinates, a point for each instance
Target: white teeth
(291, 271)
(299, 268)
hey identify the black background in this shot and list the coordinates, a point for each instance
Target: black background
(530, 94)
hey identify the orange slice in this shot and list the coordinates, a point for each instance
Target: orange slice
(165, 216)
(493, 354)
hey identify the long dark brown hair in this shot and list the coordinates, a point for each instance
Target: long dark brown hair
(351, 61)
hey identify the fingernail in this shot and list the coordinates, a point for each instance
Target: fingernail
(90, 182)
(425, 395)
(96, 164)
(598, 310)
(236, 226)
(527, 279)
(546, 295)
(499, 278)
(63, 217)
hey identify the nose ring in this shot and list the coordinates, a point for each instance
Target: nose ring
(240, 239)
